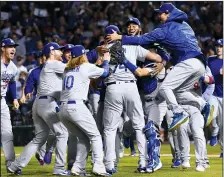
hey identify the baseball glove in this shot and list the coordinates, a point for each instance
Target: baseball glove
(116, 53)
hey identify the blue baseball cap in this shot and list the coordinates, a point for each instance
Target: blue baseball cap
(77, 51)
(165, 8)
(108, 29)
(219, 42)
(133, 20)
(68, 46)
(8, 42)
(51, 46)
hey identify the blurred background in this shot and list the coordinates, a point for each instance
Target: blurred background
(33, 24)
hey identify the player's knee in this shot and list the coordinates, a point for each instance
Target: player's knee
(6, 135)
(41, 138)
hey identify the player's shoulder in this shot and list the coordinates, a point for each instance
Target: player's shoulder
(213, 57)
(12, 66)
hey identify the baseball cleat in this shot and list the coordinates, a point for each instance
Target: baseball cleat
(176, 163)
(140, 169)
(133, 154)
(186, 165)
(80, 173)
(112, 171)
(178, 119)
(101, 174)
(41, 162)
(63, 173)
(207, 112)
(200, 168)
(213, 141)
(48, 157)
(17, 172)
(153, 166)
(221, 155)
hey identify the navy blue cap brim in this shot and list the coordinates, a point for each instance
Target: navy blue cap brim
(132, 21)
(10, 45)
(158, 11)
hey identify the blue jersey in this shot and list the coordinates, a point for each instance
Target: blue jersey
(33, 80)
(175, 35)
(215, 64)
(147, 84)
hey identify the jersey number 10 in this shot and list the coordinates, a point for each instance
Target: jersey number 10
(68, 82)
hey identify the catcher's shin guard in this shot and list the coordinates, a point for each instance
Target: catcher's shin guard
(151, 131)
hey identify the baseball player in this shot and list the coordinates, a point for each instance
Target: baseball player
(148, 86)
(215, 63)
(8, 73)
(74, 113)
(122, 95)
(186, 56)
(45, 112)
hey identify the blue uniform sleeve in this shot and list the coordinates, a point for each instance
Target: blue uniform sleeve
(29, 84)
(92, 56)
(156, 35)
(12, 89)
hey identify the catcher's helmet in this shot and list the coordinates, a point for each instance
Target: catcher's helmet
(108, 29)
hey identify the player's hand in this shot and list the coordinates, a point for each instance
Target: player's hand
(23, 99)
(28, 95)
(157, 68)
(15, 104)
(106, 56)
(102, 49)
(113, 37)
(221, 71)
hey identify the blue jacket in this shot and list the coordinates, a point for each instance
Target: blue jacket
(175, 35)
(33, 80)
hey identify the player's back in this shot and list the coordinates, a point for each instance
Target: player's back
(120, 72)
(76, 81)
(50, 83)
(8, 73)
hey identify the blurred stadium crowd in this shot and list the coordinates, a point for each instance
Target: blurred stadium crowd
(33, 24)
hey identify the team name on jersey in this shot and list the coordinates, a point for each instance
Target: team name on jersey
(76, 69)
(6, 76)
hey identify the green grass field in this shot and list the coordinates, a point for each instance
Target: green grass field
(128, 165)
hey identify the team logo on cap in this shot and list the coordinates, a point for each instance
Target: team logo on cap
(51, 47)
(83, 51)
(3, 44)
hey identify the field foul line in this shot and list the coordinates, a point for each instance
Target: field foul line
(162, 155)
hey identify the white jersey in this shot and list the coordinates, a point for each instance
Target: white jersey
(76, 81)
(8, 74)
(51, 79)
(120, 72)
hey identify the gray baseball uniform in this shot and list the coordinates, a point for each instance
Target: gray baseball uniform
(122, 95)
(218, 115)
(196, 123)
(8, 74)
(181, 80)
(77, 118)
(45, 117)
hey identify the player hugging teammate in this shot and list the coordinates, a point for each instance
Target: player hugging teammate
(183, 95)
